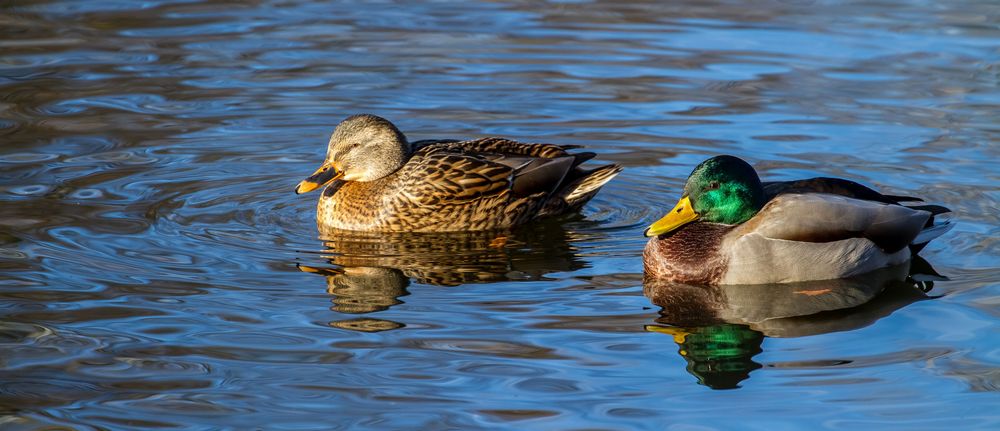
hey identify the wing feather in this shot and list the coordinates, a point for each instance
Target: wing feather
(442, 177)
(455, 172)
(819, 218)
(503, 146)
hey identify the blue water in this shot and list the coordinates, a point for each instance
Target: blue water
(158, 272)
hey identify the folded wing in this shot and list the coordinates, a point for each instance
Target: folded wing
(820, 217)
(461, 172)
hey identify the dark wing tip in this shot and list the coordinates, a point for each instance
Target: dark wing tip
(933, 209)
(898, 198)
(544, 177)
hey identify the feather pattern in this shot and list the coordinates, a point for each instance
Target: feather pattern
(446, 185)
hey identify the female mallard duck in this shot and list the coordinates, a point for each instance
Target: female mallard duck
(379, 182)
(729, 228)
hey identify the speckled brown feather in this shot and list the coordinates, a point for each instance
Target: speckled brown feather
(437, 177)
(500, 146)
(447, 186)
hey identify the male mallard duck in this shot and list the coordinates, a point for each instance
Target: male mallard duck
(380, 182)
(729, 228)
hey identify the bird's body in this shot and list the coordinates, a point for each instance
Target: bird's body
(817, 229)
(447, 185)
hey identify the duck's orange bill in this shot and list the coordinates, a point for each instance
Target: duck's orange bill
(682, 214)
(320, 178)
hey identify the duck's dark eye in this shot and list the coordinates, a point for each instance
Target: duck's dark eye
(713, 185)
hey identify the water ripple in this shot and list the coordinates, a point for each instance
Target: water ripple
(158, 270)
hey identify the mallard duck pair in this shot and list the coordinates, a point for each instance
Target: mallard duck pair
(728, 228)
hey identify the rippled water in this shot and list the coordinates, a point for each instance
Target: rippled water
(159, 272)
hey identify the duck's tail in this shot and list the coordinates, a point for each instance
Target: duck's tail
(934, 227)
(578, 188)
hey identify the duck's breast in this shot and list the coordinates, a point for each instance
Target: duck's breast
(351, 206)
(691, 254)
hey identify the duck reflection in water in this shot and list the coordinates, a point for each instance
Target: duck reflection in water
(372, 271)
(719, 329)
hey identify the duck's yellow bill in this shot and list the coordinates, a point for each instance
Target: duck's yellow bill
(679, 334)
(682, 214)
(320, 178)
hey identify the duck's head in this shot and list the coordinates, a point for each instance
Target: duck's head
(362, 148)
(723, 189)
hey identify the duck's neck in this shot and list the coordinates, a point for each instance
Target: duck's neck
(735, 203)
(392, 159)
(381, 161)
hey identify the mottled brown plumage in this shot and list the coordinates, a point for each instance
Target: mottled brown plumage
(438, 186)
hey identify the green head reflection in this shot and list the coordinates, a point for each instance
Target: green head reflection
(719, 356)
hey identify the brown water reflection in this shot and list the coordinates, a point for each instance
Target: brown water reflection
(371, 271)
(452, 259)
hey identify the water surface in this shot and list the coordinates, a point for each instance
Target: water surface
(158, 272)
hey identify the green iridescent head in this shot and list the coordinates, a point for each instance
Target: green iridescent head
(723, 189)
